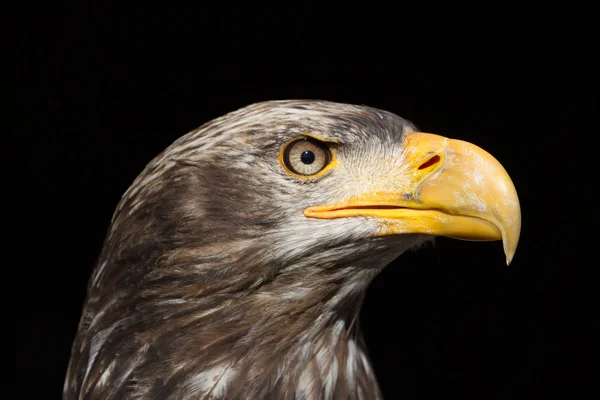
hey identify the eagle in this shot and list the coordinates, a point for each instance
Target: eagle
(235, 265)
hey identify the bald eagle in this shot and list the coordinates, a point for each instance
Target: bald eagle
(236, 263)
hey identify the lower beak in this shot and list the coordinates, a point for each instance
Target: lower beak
(455, 189)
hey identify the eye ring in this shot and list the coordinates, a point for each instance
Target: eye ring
(306, 157)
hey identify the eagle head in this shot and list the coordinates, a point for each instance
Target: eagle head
(236, 263)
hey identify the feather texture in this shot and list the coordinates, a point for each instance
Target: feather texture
(211, 282)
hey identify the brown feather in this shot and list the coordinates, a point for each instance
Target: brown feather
(211, 284)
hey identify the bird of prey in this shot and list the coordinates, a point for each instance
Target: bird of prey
(236, 263)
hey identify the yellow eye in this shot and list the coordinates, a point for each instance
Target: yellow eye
(306, 156)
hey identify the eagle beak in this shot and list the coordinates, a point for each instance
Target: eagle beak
(446, 188)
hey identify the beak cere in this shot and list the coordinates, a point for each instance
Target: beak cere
(456, 190)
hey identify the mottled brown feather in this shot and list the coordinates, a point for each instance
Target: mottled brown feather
(212, 284)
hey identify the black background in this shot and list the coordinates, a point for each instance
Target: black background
(104, 88)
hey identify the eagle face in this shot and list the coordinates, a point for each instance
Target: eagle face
(264, 186)
(236, 263)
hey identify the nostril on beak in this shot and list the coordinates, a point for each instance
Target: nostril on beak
(432, 161)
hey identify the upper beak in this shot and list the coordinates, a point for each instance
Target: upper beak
(455, 189)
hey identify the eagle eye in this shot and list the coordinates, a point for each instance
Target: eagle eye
(306, 156)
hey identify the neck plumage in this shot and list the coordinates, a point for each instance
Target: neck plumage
(179, 329)
(308, 346)
(284, 338)
(332, 364)
(289, 337)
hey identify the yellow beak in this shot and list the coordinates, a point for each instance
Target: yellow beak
(456, 189)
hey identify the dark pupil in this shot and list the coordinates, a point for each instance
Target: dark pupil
(307, 157)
